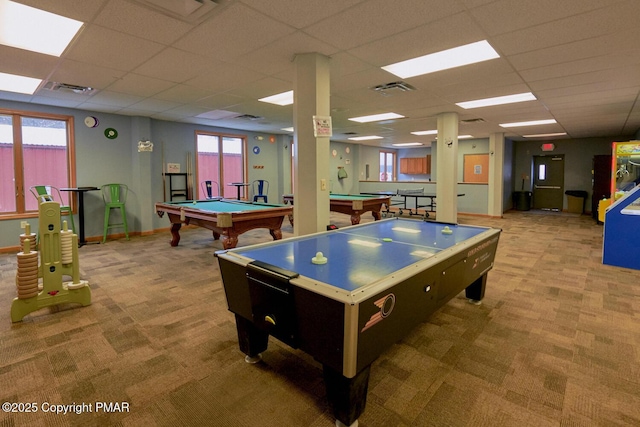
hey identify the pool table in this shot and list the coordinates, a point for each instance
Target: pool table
(226, 218)
(350, 204)
(345, 296)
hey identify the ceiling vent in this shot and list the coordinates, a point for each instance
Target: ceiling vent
(186, 10)
(350, 133)
(390, 88)
(249, 117)
(468, 121)
(55, 86)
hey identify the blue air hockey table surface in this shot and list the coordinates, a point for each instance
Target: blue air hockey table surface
(345, 296)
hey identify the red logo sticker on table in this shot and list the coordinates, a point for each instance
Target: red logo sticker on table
(386, 305)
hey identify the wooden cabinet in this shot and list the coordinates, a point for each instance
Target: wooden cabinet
(415, 165)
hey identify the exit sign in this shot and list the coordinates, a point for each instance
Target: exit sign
(548, 147)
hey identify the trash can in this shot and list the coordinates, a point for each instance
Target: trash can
(575, 200)
(522, 200)
(602, 208)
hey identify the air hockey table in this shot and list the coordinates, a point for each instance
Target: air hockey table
(345, 296)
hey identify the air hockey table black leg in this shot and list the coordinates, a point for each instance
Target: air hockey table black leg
(475, 291)
(252, 341)
(347, 396)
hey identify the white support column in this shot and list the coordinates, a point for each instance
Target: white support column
(311, 155)
(496, 174)
(447, 171)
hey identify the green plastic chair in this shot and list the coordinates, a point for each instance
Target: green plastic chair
(48, 193)
(114, 196)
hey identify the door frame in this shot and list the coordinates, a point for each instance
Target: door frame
(555, 187)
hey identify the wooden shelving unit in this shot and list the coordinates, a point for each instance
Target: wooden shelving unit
(415, 165)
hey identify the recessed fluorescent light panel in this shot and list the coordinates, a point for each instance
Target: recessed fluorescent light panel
(33, 29)
(407, 144)
(288, 129)
(543, 135)
(284, 98)
(451, 58)
(530, 123)
(376, 117)
(498, 100)
(465, 136)
(18, 84)
(425, 132)
(365, 138)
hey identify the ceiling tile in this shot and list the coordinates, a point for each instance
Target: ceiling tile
(422, 40)
(279, 55)
(83, 74)
(130, 18)
(301, 13)
(176, 65)
(235, 32)
(25, 63)
(375, 19)
(504, 16)
(135, 84)
(111, 49)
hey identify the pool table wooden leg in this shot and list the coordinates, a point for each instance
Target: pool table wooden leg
(376, 215)
(175, 233)
(355, 218)
(276, 233)
(347, 396)
(216, 235)
(229, 240)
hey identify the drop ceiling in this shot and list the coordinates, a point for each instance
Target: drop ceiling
(209, 62)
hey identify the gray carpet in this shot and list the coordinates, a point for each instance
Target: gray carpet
(556, 342)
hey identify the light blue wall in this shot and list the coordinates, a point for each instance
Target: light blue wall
(100, 161)
(349, 162)
(369, 158)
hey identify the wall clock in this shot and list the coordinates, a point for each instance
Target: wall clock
(256, 150)
(91, 121)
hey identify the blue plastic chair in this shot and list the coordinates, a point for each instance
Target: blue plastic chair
(260, 190)
(208, 187)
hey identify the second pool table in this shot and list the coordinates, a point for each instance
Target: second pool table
(226, 218)
(350, 204)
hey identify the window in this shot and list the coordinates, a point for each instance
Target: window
(542, 172)
(387, 165)
(230, 167)
(35, 149)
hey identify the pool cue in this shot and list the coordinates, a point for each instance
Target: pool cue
(164, 178)
(189, 177)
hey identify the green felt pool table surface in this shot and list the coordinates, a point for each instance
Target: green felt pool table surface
(223, 205)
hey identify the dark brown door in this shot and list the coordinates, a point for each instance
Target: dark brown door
(601, 181)
(548, 182)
